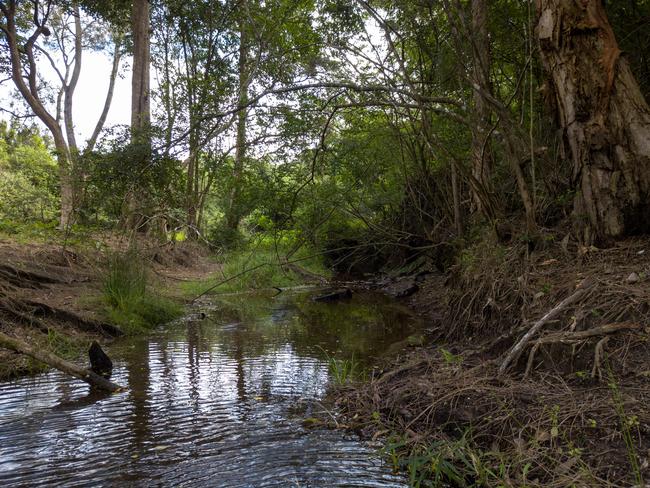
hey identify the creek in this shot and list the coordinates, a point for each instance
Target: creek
(216, 402)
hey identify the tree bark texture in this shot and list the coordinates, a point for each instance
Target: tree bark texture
(134, 211)
(140, 82)
(603, 116)
(481, 156)
(234, 210)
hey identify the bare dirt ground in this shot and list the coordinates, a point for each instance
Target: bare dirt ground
(51, 295)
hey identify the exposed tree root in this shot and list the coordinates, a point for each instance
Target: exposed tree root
(514, 353)
(21, 278)
(44, 310)
(580, 337)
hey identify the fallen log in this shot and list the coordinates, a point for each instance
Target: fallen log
(582, 289)
(56, 362)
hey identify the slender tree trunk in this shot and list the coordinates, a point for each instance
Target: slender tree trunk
(603, 115)
(72, 86)
(480, 152)
(25, 80)
(234, 209)
(458, 216)
(140, 109)
(117, 56)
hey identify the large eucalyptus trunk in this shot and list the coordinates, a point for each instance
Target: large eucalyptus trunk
(603, 115)
(140, 105)
(134, 214)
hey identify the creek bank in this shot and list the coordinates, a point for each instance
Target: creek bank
(572, 409)
(51, 295)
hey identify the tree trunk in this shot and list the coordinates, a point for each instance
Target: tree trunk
(29, 91)
(234, 208)
(458, 216)
(481, 155)
(134, 214)
(140, 84)
(603, 115)
(117, 56)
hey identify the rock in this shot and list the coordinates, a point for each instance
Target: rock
(402, 288)
(633, 278)
(196, 316)
(333, 296)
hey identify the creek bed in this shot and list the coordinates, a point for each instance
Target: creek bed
(217, 402)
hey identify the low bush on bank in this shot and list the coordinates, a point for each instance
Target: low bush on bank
(262, 264)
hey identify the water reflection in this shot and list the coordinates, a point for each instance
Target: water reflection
(209, 403)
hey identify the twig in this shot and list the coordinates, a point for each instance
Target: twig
(598, 352)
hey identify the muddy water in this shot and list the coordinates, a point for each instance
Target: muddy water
(217, 402)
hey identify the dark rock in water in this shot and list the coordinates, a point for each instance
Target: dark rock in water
(196, 316)
(333, 296)
(402, 288)
(100, 363)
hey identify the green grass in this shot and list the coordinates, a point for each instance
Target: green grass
(450, 462)
(129, 299)
(259, 266)
(344, 371)
(628, 423)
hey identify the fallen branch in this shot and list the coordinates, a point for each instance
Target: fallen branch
(515, 352)
(574, 337)
(54, 361)
(585, 334)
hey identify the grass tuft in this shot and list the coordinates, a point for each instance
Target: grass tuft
(130, 302)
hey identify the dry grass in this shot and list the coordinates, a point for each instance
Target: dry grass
(547, 431)
(579, 418)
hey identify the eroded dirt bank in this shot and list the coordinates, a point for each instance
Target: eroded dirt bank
(51, 295)
(572, 410)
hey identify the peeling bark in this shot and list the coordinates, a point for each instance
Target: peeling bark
(603, 115)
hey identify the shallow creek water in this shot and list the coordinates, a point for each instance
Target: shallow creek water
(217, 402)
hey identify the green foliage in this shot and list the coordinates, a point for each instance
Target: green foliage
(451, 462)
(260, 264)
(130, 302)
(118, 169)
(343, 371)
(28, 179)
